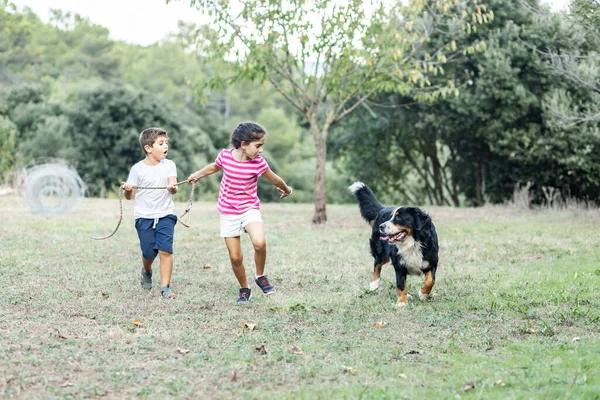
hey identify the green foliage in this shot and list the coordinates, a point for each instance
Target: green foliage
(14, 37)
(8, 132)
(104, 130)
(504, 129)
(587, 11)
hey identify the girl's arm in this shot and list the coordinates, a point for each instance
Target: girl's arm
(208, 170)
(279, 183)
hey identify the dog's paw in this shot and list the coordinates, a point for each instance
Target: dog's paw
(423, 296)
(374, 285)
(401, 305)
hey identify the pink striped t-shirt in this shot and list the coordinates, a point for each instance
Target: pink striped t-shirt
(239, 184)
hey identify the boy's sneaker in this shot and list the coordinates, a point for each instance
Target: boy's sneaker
(146, 279)
(166, 292)
(245, 295)
(264, 284)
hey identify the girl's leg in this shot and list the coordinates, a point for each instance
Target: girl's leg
(166, 267)
(257, 236)
(237, 260)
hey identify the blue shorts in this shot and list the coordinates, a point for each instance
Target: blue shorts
(156, 236)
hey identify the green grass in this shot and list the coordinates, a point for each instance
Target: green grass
(516, 310)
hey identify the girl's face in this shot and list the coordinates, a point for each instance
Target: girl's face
(253, 149)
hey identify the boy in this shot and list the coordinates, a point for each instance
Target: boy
(153, 209)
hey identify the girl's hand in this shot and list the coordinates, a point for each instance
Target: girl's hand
(172, 189)
(126, 187)
(192, 178)
(284, 194)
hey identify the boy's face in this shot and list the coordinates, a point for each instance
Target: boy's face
(158, 151)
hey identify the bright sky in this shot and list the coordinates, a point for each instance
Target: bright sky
(141, 21)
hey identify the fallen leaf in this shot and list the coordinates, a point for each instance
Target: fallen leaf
(296, 350)
(183, 351)
(576, 339)
(234, 375)
(137, 323)
(499, 382)
(262, 349)
(380, 324)
(530, 330)
(60, 335)
(402, 376)
(468, 386)
(65, 384)
(105, 295)
(249, 326)
(489, 348)
(350, 370)
(413, 352)
(207, 266)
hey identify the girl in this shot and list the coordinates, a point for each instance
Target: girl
(238, 202)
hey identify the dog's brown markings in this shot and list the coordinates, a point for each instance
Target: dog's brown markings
(404, 228)
(402, 295)
(377, 270)
(428, 284)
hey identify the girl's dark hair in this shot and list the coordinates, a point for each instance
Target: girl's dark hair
(247, 132)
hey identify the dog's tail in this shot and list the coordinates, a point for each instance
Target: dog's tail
(367, 202)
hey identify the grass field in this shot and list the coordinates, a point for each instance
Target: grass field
(515, 312)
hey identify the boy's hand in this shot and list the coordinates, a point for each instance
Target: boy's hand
(172, 188)
(283, 192)
(192, 178)
(126, 187)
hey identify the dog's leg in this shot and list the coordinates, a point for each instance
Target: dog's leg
(401, 293)
(376, 278)
(427, 285)
(401, 287)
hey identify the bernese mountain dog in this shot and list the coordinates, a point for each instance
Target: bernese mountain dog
(404, 235)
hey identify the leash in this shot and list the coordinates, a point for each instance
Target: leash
(180, 219)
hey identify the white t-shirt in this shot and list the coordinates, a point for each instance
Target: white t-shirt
(152, 203)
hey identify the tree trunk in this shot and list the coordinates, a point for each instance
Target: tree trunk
(320, 215)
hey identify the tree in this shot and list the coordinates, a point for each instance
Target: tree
(501, 131)
(328, 68)
(15, 35)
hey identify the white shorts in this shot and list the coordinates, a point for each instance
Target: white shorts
(234, 225)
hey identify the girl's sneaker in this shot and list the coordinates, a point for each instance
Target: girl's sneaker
(264, 284)
(245, 296)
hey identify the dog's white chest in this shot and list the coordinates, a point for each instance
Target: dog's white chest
(412, 256)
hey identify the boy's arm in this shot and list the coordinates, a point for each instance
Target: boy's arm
(206, 171)
(279, 183)
(172, 186)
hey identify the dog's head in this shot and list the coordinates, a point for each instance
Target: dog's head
(404, 222)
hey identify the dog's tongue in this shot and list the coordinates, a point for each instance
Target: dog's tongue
(384, 238)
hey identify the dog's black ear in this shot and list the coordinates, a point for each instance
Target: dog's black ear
(421, 220)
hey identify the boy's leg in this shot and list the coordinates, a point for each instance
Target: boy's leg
(257, 236)
(166, 267)
(147, 265)
(165, 230)
(146, 235)
(237, 260)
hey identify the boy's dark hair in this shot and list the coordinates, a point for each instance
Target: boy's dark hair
(149, 136)
(247, 132)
